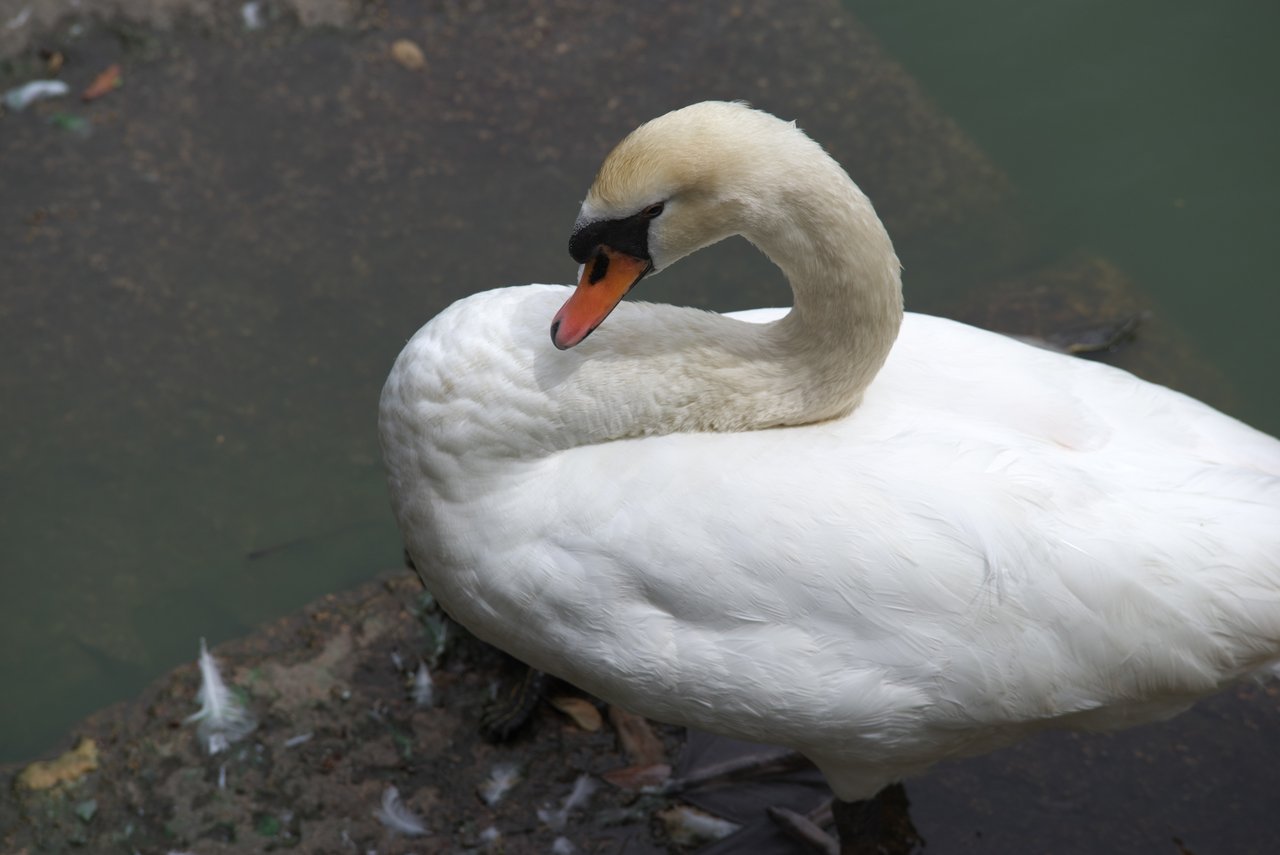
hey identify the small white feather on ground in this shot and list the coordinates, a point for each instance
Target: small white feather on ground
(582, 790)
(398, 818)
(222, 718)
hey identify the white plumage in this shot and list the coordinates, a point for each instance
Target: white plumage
(881, 540)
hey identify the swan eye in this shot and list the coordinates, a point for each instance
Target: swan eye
(652, 211)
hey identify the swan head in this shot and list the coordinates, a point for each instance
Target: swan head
(676, 184)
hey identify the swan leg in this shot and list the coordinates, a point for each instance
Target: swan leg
(514, 707)
(880, 825)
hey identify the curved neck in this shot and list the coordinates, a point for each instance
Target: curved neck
(658, 369)
(655, 369)
(846, 287)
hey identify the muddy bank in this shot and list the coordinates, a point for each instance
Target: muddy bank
(340, 721)
(337, 725)
(331, 687)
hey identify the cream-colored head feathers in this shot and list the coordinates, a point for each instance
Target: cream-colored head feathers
(678, 151)
(717, 165)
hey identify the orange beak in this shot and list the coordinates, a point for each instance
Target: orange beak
(606, 278)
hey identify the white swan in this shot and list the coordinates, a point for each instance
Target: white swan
(881, 540)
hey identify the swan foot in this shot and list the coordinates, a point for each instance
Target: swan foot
(514, 707)
(880, 825)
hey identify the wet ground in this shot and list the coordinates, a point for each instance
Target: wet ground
(331, 687)
(338, 726)
(207, 273)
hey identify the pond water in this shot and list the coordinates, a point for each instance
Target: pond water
(1141, 130)
(193, 339)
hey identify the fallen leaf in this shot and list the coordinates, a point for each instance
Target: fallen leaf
(638, 777)
(109, 79)
(72, 766)
(583, 712)
(641, 744)
(688, 826)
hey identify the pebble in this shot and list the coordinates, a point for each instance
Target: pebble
(408, 54)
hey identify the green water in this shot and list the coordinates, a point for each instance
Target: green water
(1145, 130)
(191, 355)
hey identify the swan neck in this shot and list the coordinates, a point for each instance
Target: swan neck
(663, 369)
(660, 369)
(846, 287)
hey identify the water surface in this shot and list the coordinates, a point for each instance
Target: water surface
(1142, 130)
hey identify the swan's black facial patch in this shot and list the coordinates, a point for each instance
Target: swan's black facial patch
(629, 235)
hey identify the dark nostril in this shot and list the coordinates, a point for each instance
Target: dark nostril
(599, 268)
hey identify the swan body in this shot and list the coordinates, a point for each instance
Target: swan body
(879, 538)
